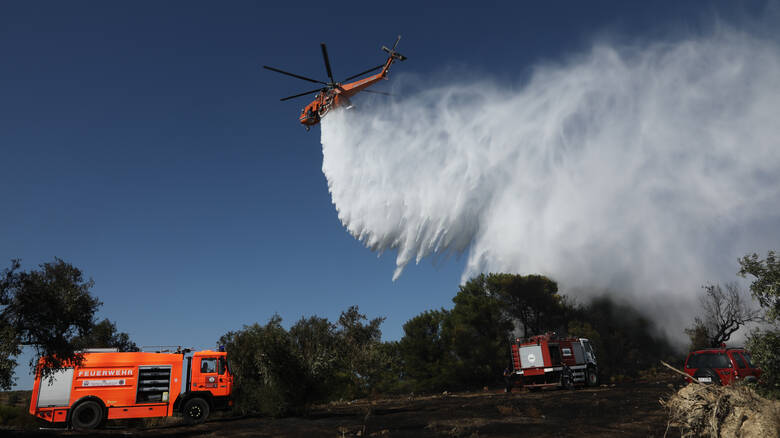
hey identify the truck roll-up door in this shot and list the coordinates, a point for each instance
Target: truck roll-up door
(154, 383)
(56, 391)
(531, 356)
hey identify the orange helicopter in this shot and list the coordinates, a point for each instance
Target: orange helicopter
(335, 94)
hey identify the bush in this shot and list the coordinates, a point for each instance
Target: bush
(764, 347)
(269, 376)
(16, 417)
(280, 373)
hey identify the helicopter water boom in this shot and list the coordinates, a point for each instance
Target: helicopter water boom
(335, 94)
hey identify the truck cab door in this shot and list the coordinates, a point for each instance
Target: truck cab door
(212, 375)
(224, 378)
(205, 376)
(590, 356)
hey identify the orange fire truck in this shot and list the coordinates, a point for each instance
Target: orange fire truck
(548, 360)
(109, 385)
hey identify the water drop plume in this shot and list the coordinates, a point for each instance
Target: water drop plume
(646, 170)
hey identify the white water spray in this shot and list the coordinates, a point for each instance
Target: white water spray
(646, 171)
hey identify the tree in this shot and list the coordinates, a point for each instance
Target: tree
(105, 335)
(279, 372)
(361, 353)
(764, 347)
(270, 378)
(389, 377)
(425, 352)
(724, 312)
(766, 286)
(532, 300)
(764, 344)
(480, 331)
(45, 309)
(316, 346)
(699, 336)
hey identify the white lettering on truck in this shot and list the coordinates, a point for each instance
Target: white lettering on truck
(105, 373)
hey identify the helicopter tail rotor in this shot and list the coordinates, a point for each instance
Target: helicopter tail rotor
(393, 53)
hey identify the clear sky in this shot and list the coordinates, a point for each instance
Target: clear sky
(143, 143)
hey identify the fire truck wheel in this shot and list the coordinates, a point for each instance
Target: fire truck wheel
(87, 415)
(593, 377)
(196, 410)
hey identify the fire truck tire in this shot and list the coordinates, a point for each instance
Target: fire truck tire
(592, 377)
(87, 415)
(196, 410)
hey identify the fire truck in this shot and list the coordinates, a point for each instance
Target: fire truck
(552, 361)
(109, 385)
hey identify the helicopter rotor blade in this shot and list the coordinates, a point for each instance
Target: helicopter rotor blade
(361, 74)
(396, 42)
(327, 62)
(302, 94)
(294, 75)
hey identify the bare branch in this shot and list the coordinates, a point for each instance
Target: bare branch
(723, 313)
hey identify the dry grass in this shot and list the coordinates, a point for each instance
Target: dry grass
(722, 411)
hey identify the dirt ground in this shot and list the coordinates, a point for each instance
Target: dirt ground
(623, 410)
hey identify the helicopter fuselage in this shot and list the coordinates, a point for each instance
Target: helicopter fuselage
(333, 98)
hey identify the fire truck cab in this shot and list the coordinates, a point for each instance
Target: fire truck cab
(109, 385)
(551, 361)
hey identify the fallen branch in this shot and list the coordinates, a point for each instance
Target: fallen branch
(679, 372)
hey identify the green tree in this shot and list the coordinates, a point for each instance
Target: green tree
(426, 352)
(279, 372)
(45, 309)
(361, 355)
(766, 284)
(104, 334)
(699, 336)
(270, 378)
(765, 344)
(480, 331)
(389, 377)
(532, 300)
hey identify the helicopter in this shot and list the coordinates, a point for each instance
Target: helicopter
(335, 94)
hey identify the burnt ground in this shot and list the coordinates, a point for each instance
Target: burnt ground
(624, 410)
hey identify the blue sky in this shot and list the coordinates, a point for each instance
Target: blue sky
(143, 143)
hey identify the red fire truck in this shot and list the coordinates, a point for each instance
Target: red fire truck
(552, 361)
(109, 385)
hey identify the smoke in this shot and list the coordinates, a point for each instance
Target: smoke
(646, 170)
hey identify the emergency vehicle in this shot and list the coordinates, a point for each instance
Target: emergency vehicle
(551, 361)
(109, 385)
(721, 366)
